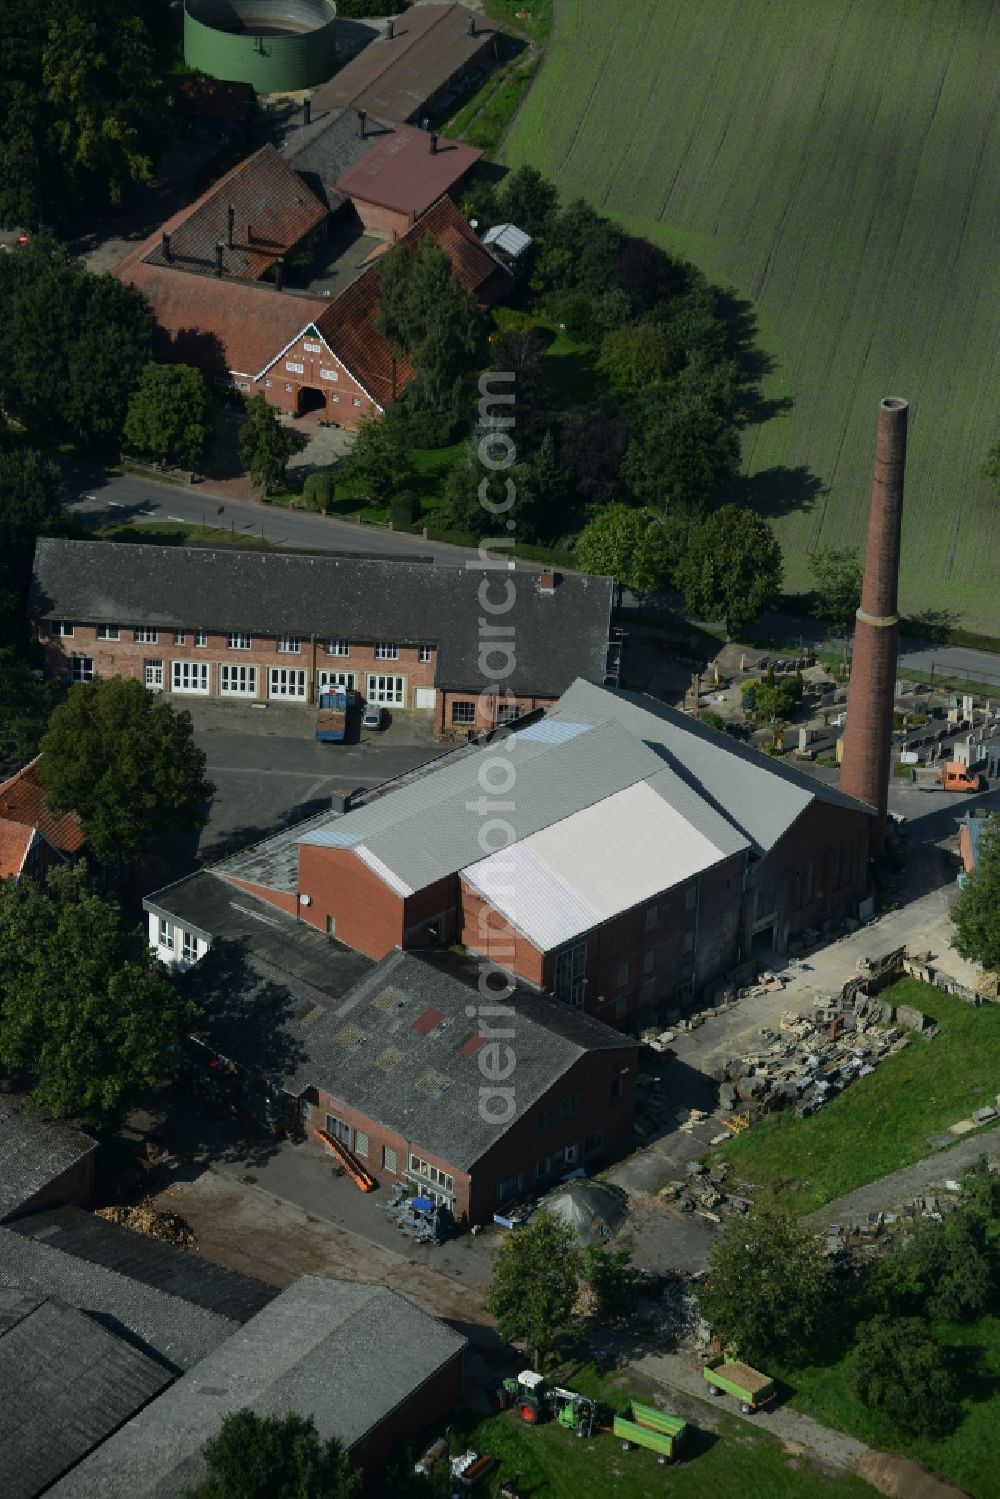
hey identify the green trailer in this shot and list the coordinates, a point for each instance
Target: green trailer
(644, 1426)
(751, 1388)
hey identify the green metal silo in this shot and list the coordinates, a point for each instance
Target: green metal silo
(278, 46)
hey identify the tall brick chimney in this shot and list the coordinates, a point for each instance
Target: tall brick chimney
(868, 731)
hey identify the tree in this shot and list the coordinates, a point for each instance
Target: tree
(536, 1277)
(687, 445)
(25, 703)
(127, 763)
(265, 445)
(85, 1006)
(638, 356)
(274, 1457)
(170, 415)
(627, 544)
(976, 913)
(378, 463)
(731, 568)
(426, 314)
(772, 701)
(30, 506)
(542, 494)
(836, 574)
(900, 1371)
(648, 275)
(769, 1285)
(613, 1279)
(527, 199)
(946, 1270)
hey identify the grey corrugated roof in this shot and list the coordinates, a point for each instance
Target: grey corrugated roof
(33, 1152)
(180, 1273)
(559, 635)
(428, 829)
(364, 1050)
(66, 1385)
(345, 1353)
(759, 796)
(178, 1333)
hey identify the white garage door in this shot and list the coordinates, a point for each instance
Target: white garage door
(424, 697)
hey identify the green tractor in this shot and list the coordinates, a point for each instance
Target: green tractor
(536, 1401)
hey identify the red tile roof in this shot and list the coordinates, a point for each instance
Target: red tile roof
(348, 324)
(401, 172)
(22, 800)
(274, 212)
(15, 840)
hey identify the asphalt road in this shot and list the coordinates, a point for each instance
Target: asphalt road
(119, 499)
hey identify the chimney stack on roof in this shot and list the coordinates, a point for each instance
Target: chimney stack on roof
(390, 30)
(279, 273)
(230, 224)
(362, 119)
(472, 25)
(220, 250)
(868, 729)
(165, 242)
(432, 143)
(306, 110)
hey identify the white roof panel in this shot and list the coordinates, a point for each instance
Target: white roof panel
(592, 866)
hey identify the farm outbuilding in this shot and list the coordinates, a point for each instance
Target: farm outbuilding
(278, 46)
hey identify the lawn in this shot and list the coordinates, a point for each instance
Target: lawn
(881, 1122)
(971, 1454)
(835, 162)
(732, 1462)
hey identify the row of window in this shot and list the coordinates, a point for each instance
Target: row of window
(168, 941)
(432, 1174)
(237, 640)
(242, 681)
(464, 713)
(565, 1110)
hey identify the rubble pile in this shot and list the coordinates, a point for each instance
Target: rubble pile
(143, 1218)
(708, 1191)
(811, 1058)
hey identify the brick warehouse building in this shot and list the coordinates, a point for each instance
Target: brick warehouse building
(650, 855)
(267, 626)
(405, 1062)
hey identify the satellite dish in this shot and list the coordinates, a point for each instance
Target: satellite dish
(305, 900)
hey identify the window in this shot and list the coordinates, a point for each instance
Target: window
(201, 637)
(388, 1158)
(507, 712)
(288, 389)
(360, 1143)
(238, 641)
(691, 898)
(189, 946)
(189, 676)
(59, 627)
(565, 1156)
(180, 637)
(338, 648)
(689, 941)
(647, 993)
(108, 632)
(650, 918)
(621, 975)
(570, 981)
(312, 348)
(334, 396)
(329, 375)
(153, 674)
(423, 652)
(82, 669)
(621, 1008)
(593, 1142)
(144, 635)
(542, 1168)
(432, 1173)
(336, 679)
(166, 937)
(267, 384)
(355, 401)
(386, 651)
(331, 926)
(283, 681)
(238, 681)
(288, 645)
(386, 690)
(648, 959)
(293, 368)
(509, 1188)
(617, 1089)
(463, 712)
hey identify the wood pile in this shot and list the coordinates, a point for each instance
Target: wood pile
(143, 1218)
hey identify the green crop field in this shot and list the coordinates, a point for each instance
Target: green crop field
(836, 162)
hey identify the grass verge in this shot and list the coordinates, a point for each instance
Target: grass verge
(180, 533)
(881, 1122)
(725, 1458)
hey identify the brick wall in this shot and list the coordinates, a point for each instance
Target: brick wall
(280, 898)
(390, 223)
(486, 932)
(483, 712)
(426, 1407)
(127, 657)
(815, 873)
(368, 916)
(432, 907)
(311, 365)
